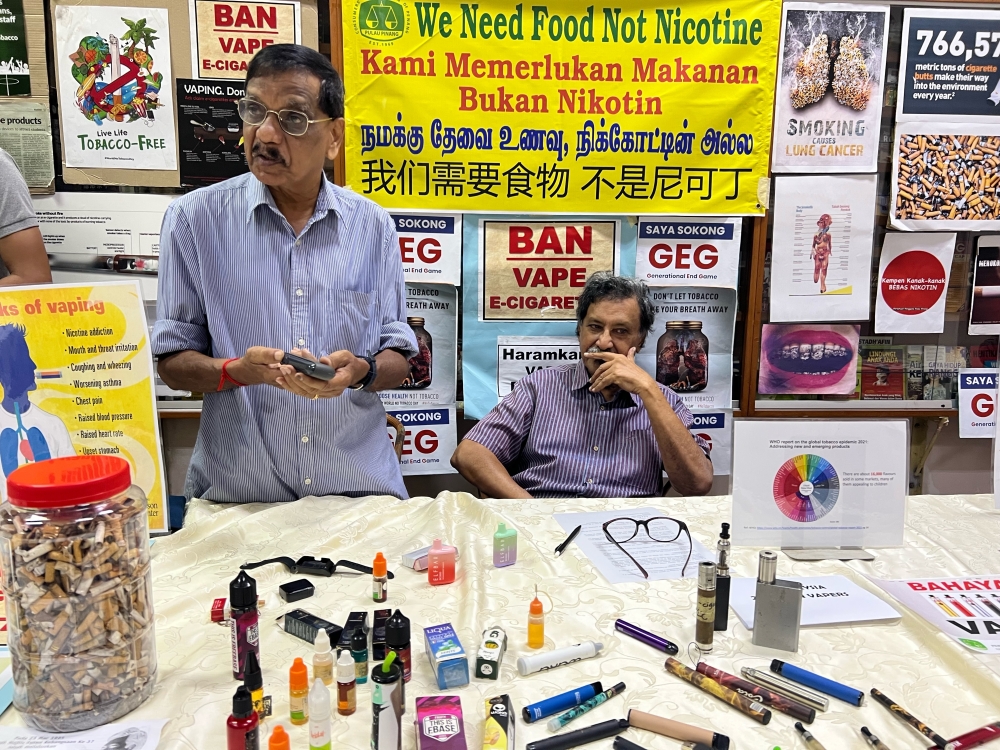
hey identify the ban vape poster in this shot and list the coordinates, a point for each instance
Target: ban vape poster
(432, 314)
(831, 74)
(228, 34)
(115, 87)
(80, 373)
(685, 251)
(430, 246)
(430, 439)
(913, 274)
(822, 247)
(984, 318)
(811, 359)
(690, 349)
(209, 131)
(14, 77)
(819, 483)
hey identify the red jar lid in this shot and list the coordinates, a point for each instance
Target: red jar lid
(63, 482)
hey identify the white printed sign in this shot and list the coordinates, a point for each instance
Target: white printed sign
(430, 246)
(688, 251)
(430, 440)
(913, 274)
(977, 399)
(518, 356)
(716, 429)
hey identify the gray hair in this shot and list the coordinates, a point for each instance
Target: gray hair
(605, 285)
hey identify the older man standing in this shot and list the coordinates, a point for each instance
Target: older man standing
(281, 259)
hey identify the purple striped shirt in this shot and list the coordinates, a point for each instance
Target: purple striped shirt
(557, 439)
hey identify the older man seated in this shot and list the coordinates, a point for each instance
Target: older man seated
(601, 427)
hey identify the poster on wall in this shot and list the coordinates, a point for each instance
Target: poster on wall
(822, 247)
(977, 402)
(227, 34)
(686, 251)
(828, 105)
(984, 318)
(430, 439)
(808, 359)
(115, 87)
(716, 429)
(913, 273)
(494, 107)
(430, 246)
(690, 349)
(535, 270)
(15, 78)
(26, 134)
(432, 313)
(209, 131)
(518, 356)
(819, 483)
(80, 381)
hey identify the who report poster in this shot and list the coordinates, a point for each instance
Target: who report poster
(77, 379)
(597, 109)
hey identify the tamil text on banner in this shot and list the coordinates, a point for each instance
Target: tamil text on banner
(535, 270)
(78, 379)
(913, 273)
(716, 429)
(116, 101)
(977, 402)
(209, 131)
(688, 251)
(226, 35)
(430, 438)
(432, 313)
(984, 316)
(430, 246)
(690, 349)
(822, 122)
(592, 109)
(518, 356)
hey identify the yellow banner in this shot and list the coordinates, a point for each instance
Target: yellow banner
(76, 377)
(625, 109)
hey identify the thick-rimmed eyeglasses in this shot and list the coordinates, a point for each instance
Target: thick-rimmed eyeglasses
(294, 123)
(659, 529)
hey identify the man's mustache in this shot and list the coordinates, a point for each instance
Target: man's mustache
(268, 152)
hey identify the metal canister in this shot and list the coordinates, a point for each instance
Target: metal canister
(422, 363)
(682, 356)
(387, 705)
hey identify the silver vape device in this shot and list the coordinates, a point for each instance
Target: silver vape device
(777, 607)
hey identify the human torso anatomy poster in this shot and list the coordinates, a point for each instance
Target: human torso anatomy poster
(685, 251)
(913, 274)
(822, 247)
(690, 349)
(819, 483)
(828, 107)
(115, 87)
(808, 359)
(984, 318)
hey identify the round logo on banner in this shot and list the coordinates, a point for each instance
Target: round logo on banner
(913, 283)
(382, 21)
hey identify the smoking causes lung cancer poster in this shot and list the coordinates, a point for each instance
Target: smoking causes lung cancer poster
(115, 87)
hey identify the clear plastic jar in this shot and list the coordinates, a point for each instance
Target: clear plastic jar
(422, 363)
(74, 548)
(682, 356)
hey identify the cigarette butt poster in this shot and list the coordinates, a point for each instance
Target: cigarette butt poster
(227, 35)
(115, 87)
(984, 317)
(77, 379)
(430, 246)
(15, 78)
(430, 439)
(535, 270)
(828, 107)
(913, 273)
(822, 247)
(686, 251)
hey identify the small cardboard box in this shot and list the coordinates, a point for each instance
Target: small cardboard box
(439, 723)
(490, 654)
(447, 657)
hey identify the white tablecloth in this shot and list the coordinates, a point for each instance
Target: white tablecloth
(939, 681)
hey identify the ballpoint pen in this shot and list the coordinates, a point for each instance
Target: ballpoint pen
(572, 535)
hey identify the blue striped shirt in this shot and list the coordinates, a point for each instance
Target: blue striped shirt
(234, 275)
(557, 439)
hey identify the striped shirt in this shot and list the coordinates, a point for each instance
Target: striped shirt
(557, 439)
(234, 275)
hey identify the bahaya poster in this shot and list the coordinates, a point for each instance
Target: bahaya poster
(209, 131)
(688, 251)
(430, 439)
(819, 483)
(15, 78)
(811, 358)
(822, 247)
(690, 349)
(984, 318)
(913, 273)
(430, 246)
(115, 87)
(79, 380)
(828, 111)
(227, 34)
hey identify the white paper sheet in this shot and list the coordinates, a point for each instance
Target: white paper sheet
(826, 600)
(913, 274)
(662, 560)
(132, 735)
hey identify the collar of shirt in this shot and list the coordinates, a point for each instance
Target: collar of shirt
(581, 379)
(258, 194)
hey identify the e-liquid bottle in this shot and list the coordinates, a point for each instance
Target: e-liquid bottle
(536, 623)
(243, 632)
(504, 546)
(387, 705)
(279, 739)
(704, 627)
(243, 726)
(323, 657)
(722, 581)
(298, 692)
(319, 717)
(359, 652)
(347, 699)
(253, 680)
(397, 638)
(380, 579)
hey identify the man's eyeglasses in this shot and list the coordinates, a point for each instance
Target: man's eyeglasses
(291, 121)
(659, 529)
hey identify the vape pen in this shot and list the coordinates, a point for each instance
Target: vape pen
(817, 682)
(786, 688)
(755, 692)
(581, 736)
(650, 639)
(704, 625)
(905, 716)
(722, 581)
(561, 702)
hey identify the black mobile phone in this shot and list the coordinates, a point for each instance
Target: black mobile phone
(316, 370)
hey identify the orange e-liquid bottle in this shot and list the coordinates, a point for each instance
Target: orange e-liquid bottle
(298, 692)
(536, 623)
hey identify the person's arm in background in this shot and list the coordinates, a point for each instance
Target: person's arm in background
(22, 251)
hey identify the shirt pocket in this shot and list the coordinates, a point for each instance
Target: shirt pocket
(349, 322)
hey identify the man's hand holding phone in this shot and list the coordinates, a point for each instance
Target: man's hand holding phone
(344, 368)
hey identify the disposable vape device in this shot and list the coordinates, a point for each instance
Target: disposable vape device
(777, 607)
(722, 581)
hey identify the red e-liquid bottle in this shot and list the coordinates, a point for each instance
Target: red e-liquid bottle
(243, 631)
(243, 727)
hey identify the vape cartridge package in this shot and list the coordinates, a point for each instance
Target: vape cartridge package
(447, 657)
(379, 619)
(439, 723)
(498, 733)
(490, 654)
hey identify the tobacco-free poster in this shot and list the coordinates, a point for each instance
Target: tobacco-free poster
(829, 100)
(78, 379)
(210, 131)
(115, 87)
(913, 273)
(228, 34)
(984, 318)
(14, 76)
(822, 247)
(682, 251)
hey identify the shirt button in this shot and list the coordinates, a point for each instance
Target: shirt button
(307, 480)
(596, 448)
(298, 292)
(604, 408)
(298, 242)
(302, 342)
(590, 481)
(305, 438)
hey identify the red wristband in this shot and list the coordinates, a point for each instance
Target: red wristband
(226, 377)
